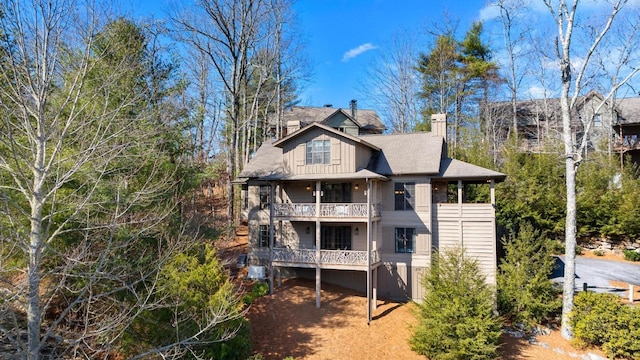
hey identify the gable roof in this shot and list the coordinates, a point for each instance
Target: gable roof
(328, 119)
(397, 154)
(339, 133)
(401, 154)
(367, 119)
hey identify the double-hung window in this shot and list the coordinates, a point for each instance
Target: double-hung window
(263, 236)
(265, 196)
(405, 240)
(318, 152)
(404, 193)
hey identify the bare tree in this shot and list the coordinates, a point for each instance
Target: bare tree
(87, 184)
(227, 32)
(573, 77)
(393, 83)
(510, 12)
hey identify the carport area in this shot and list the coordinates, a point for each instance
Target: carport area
(601, 275)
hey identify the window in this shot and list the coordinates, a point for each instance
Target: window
(404, 195)
(597, 120)
(245, 196)
(265, 196)
(263, 236)
(318, 152)
(335, 238)
(405, 240)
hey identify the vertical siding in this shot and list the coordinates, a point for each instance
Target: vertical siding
(342, 157)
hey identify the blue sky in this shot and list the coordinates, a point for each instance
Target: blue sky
(343, 36)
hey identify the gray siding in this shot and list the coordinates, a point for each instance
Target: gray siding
(471, 226)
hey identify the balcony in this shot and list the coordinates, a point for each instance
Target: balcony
(327, 210)
(330, 259)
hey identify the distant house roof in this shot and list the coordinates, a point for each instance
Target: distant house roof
(628, 111)
(367, 119)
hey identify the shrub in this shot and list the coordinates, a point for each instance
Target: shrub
(631, 255)
(578, 250)
(602, 320)
(259, 289)
(204, 310)
(598, 252)
(525, 293)
(456, 317)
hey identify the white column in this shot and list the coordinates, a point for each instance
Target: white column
(318, 232)
(369, 290)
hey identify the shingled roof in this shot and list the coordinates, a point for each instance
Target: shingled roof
(368, 119)
(398, 154)
(402, 154)
(628, 110)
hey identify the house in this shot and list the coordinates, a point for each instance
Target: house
(627, 129)
(540, 121)
(364, 210)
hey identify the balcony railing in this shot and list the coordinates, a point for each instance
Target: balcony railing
(327, 257)
(345, 210)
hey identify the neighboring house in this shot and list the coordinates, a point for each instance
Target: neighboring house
(359, 121)
(364, 211)
(627, 128)
(540, 121)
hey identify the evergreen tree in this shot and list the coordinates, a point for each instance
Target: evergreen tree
(525, 292)
(456, 316)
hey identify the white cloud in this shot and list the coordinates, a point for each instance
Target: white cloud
(357, 51)
(489, 12)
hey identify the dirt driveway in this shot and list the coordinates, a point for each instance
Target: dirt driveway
(287, 323)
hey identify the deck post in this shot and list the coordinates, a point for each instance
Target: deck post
(369, 290)
(318, 232)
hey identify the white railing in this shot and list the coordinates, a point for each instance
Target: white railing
(327, 257)
(298, 209)
(326, 210)
(306, 256)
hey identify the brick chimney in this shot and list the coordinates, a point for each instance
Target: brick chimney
(439, 125)
(353, 104)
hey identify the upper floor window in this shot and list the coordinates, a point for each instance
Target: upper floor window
(597, 120)
(265, 196)
(318, 152)
(405, 240)
(404, 193)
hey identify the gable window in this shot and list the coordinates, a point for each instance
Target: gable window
(405, 240)
(263, 236)
(318, 152)
(597, 120)
(404, 193)
(265, 196)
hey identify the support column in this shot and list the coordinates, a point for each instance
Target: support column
(460, 195)
(369, 290)
(318, 232)
(375, 288)
(271, 237)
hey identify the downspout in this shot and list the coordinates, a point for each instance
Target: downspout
(369, 290)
